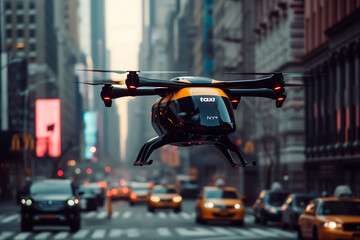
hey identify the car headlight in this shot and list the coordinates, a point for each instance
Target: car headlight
(177, 199)
(331, 225)
(71, 202)
(209, 205)
(155, 199)
(26, 202)
(77, 201)
(237, 206)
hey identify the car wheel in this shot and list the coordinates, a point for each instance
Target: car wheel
(75, 226)
(177, 210)
(256, 220)
(263, 220)
(238, 223)
(26, 226)
(315, 234)
(299, 235)
(282, 224)
(151, 209)
(131, 203)
(198, 219)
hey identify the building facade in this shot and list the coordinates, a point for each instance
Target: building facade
(332, 99)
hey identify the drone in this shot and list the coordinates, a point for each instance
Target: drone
(193, 110)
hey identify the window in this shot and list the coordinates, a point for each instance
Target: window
(8, 33)
(8, 18)
(32, 5)
(20, 33)
(20, 18)
(20, 5)
(32, 33)
(8, 5)
(32, 18)
(32, 47)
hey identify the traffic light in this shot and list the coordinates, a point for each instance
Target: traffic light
(60, 173)
(93, 149)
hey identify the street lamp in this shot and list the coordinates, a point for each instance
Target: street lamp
(25, 93)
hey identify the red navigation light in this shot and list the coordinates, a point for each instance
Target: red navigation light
(133, 87)
(89, 171)
(107, 169)
(60, 173)
(234, 101)
(133, 195)
(277, 88)
(174, 147)
(107, 98)
(280, 99)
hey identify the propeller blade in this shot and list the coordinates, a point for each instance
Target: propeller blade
(262, 73)
(162, 72)
(103, 82)
(105, 71)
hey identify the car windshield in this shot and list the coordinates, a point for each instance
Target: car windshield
(50, 188)
(340, 208)
(277, 198)
(89, 190)
(302, 202)
(221, 194)
(164, 190)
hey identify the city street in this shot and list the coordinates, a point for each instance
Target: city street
(137, 223)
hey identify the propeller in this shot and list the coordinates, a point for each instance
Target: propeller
(104, 82)
(137, 71)
(266, 74)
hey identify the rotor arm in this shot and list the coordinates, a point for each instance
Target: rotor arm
(125, 92)
(263, 92)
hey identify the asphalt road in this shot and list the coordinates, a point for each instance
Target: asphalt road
(136, 222)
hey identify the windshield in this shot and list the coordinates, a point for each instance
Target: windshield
(50, 188)
(302, 202)
(164, 190)
(89, 190)
(221, 194)
(277, 198)
(140, 189)
(340, 208)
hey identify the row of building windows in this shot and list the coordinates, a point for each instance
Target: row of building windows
(20, 33)
(19, 5)
(333, 104)
(20, 18)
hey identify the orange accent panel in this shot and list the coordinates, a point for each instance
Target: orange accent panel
(195, 91)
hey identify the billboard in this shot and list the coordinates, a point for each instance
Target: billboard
(48, 127)
(90, 133)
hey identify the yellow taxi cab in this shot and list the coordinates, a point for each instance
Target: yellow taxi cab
(330, 218)
(139, 192)
(120, 189)
(162, 197)
(219, 203)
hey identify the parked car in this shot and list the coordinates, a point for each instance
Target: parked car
(330, 218)
(293, 206)
(164, 197)
(219, 203)
(139, 192)
(89, 197)
(269, 207)
(50, 202)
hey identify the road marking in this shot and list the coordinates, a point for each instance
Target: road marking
(222, 231)
(164, 231)
(173, 215)
(262, 232)
(5, 235)
(150, 214)
(244, 232)
(10, 218)
(81, 233)
(281, 232)
(161, 215)
(127, 214)
(90, 215)
(133, 233)
(22, 236)
(102, 215)
(115, 233)
(100, 233)
(61, 235)
(42, 235)
(115, 214)
(198, 231)
(185, 215)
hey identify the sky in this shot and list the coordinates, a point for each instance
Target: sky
(123, 38)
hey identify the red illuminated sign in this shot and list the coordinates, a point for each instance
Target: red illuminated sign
(48, 127)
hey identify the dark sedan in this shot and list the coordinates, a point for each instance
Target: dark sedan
(293, 207)
(50, 202)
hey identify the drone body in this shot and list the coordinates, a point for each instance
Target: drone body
(194, 110)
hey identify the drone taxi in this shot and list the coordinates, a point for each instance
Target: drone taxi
(193, 110)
